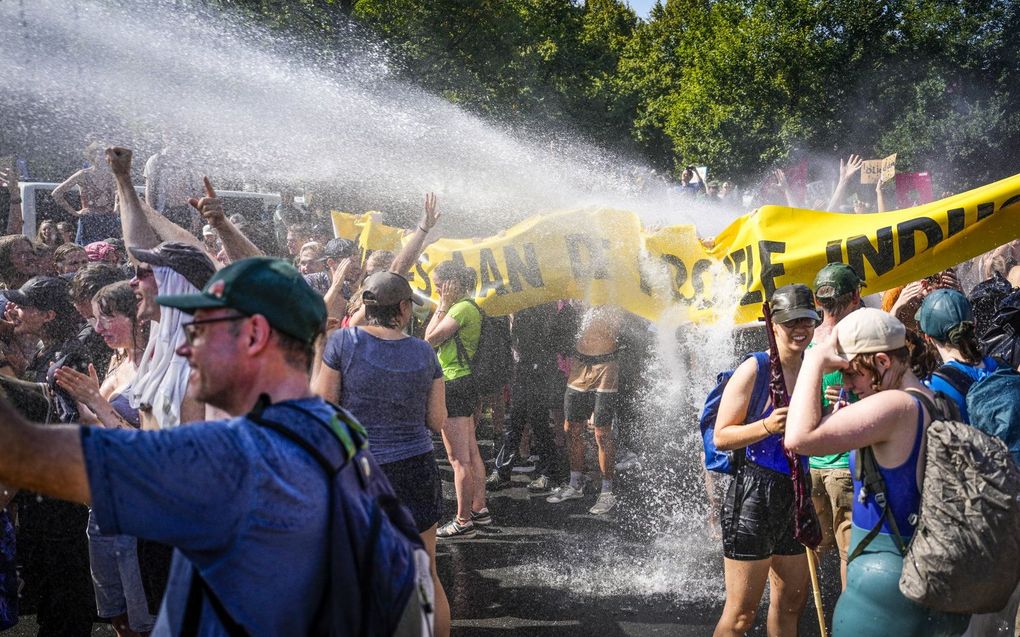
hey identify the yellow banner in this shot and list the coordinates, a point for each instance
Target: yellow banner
(603, 256)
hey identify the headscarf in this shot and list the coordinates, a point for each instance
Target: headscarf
(99, 250)
(162, 378)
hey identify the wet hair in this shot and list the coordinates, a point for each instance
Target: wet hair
(383, 315)
(963, 338)
(866, 364)
(63, 250)
(379, 261)
(119, 298)
(92, 278)
(461, 275)
(924, 358)
(836, 305)
(9, 276)
(65, 226)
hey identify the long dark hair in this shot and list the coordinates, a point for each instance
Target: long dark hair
(119, 298)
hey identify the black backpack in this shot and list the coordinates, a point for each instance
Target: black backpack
(389, 590)
(493, 360)
(1002, 340)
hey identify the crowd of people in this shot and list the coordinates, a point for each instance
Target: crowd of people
(161, 310)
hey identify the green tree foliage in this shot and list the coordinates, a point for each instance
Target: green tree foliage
(739, 85)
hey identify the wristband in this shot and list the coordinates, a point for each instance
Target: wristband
(765, 427)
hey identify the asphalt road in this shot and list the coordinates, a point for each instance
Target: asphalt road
(652, 567)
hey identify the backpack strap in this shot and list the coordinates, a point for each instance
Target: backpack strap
(956, 378)
(866, 471)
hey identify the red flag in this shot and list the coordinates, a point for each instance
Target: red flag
(913, 189)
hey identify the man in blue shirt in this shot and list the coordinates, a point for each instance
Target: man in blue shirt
(241, 504)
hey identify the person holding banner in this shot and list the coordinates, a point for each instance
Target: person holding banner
(759, 543)
(455, 331)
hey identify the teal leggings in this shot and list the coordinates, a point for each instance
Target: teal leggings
(872, 605)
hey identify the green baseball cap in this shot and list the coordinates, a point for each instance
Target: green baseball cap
(836, 279)
(942, 311)
(260, 285)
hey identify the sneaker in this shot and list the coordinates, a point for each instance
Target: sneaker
(454, 528)
(541, 484)
(604, 504)
(495, 481)
(481, 518)
(566, 492)
(628, 461)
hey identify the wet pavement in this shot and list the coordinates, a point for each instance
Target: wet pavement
(651, 567)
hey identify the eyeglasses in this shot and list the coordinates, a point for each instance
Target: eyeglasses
(191, 330)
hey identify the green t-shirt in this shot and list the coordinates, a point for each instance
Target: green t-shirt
(470, 321)
(836, 460)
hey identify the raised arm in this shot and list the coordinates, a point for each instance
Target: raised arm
(235, 244)
(9, 180)
(879, 197)
(411, 250)
(781, 180)
(59, 193)
(846, 172)
(870, 421)
(138, 232)
(441, 327)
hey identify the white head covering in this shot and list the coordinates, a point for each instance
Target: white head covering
(162, 378)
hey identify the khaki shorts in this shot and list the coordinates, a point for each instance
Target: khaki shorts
(832, 491)
(597, 377)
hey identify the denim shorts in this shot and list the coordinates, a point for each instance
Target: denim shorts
(117, 578)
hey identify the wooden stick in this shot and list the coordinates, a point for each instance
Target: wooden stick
(813, 569)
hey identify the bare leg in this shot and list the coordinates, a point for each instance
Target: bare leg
(442, 617)
(575, 444)
(789, 581)
(607, 451)
(745, 583)
(458, 435)
(477, 471)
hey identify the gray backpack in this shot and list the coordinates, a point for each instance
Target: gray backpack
(965, 553)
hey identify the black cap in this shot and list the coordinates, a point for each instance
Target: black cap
(42, 292)
(261, 285)
(385, 288)
(339, 248)
(183, 258)
(792, 302)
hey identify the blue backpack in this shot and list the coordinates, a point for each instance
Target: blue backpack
(724, 461)
(389, 590)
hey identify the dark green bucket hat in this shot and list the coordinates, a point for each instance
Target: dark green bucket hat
(261, 285)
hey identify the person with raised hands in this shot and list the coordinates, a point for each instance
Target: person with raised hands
(846, 172)
(9, 180)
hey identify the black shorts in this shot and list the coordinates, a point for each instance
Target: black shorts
(461, 397)
(757, 515)
(416, 482)
(578, 406)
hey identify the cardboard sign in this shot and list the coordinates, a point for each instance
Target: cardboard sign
(875, 169)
